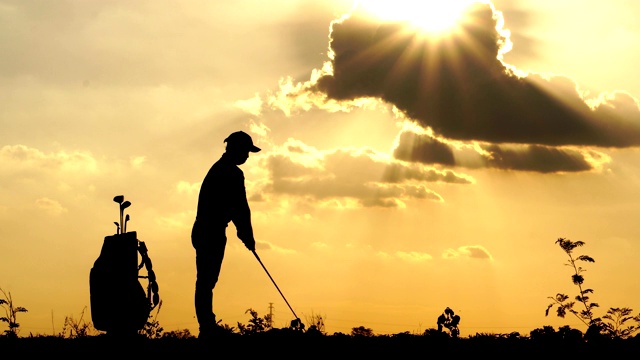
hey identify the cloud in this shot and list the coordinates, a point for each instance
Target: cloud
(470, 252)
(21, 158)
(50, 206)
(185, 187)
(182, 220)
(478, 110)
(461, 89)
(265, 245)
(253, 106)
(369, 177)
(427, 149)
(137, 161)
(412, 256)
(320, 245)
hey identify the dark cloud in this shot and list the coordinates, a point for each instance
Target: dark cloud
(476, 252)
(537, 158)
(397, 173)
(424, 149)
(460, 88)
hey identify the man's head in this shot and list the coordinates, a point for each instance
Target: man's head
(239, 145)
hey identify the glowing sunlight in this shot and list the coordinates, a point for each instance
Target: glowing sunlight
(433, 16)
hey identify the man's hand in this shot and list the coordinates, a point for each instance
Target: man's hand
(250, 244)
(247, 239)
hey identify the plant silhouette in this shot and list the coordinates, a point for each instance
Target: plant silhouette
(614, 324)
(560, 300)
(256, 324)
(449, 320)
(73, 329)
(11, 314)
(362, 331)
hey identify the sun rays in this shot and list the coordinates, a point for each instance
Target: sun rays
(430, 16)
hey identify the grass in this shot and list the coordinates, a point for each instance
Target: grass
(284, 343)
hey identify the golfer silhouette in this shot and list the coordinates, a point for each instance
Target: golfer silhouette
(222, 199)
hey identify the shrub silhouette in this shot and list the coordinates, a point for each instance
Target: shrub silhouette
(256, 323)
(362, 331)
(178, 334)
(449, 320)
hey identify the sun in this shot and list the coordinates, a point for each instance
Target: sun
(432, 16)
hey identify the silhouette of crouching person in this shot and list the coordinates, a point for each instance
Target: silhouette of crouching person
(222, 199)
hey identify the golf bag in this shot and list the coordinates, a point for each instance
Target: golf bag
(119, 303)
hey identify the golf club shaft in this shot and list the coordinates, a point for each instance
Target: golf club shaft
(274, 283)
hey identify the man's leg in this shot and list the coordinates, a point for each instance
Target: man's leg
(208, 264)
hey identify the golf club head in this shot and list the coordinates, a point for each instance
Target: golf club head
(297, 324)
(126, 220)
(125, 205)
(119, 199)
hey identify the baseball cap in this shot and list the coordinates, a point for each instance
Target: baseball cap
(242, 140)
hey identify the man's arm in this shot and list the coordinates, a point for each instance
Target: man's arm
(241, 216)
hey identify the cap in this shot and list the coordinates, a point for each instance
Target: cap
(242, 140)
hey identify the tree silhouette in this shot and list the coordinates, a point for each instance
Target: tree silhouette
(362, 331)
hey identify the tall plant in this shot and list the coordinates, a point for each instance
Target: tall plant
(614, 324)
(585, 315)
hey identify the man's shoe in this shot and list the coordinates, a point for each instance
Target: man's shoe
(212, 332)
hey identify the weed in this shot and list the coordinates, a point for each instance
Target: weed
(73, 329)
(11, 311)
(317, 324)
(152, 328)
(256, 323)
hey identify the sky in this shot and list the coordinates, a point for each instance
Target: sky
(408, 164)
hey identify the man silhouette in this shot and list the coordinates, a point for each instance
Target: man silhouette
(222, 199)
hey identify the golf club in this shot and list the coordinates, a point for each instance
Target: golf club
(123, 206)
(297, 320)
(119, 199)
(126, 219)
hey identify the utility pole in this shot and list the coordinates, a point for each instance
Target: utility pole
(271, 315)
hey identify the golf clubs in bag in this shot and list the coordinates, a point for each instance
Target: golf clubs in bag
(119, 303)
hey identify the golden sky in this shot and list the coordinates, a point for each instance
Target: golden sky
(405, 168)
